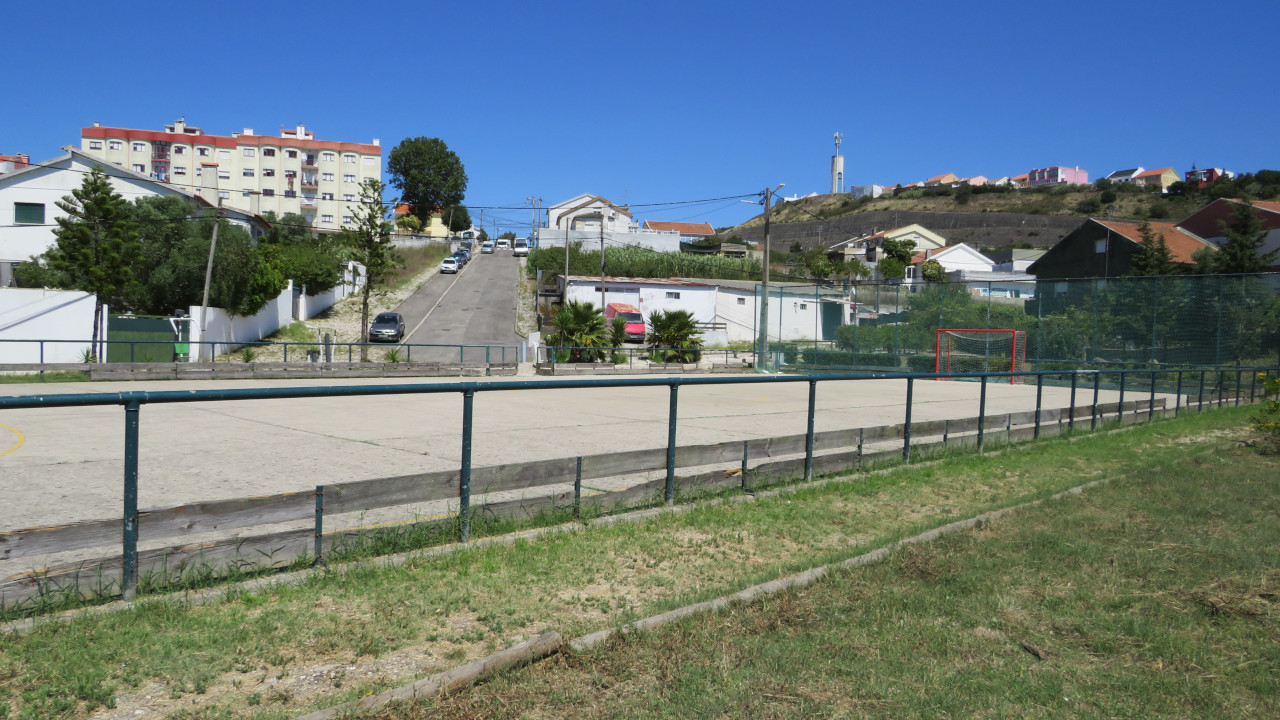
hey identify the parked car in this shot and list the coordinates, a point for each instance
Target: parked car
(520, 247)
(387, 327)
(465, 254)
(503, 244)
(450, 265)
(486, 247)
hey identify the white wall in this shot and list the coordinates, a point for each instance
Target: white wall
(33, 314)
(590, 239)
(310, 305)
(700, 300)
(739, 310)
(231, 331)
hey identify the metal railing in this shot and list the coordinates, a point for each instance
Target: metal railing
(302, 351)
(132, 402)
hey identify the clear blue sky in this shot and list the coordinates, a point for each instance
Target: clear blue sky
(663, 101)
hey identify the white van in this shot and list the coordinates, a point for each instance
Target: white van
(519, 247)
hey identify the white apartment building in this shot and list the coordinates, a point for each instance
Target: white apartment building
(318, 179)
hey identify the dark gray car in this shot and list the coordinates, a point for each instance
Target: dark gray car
(387, 327)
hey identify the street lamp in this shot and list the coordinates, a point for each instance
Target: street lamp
(762, 362)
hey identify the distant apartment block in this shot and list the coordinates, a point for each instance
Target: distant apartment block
(858, 192)
(294, 172)
(1057, 175)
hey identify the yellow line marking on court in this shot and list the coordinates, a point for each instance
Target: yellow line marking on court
(21, 439)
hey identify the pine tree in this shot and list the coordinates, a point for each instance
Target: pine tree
(1244, 236)
(1153, 256)
(370, 244)
(97, 245)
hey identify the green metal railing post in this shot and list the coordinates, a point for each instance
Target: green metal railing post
(1253, 384)
(1200, 397)
(1120, 408)
(464, 484)
(746, 454)
(1222, 388)
(1237, 404)
(808, 439)
(1177, 404)
(487, 369)
(1039, 395)
(906, 423)
(319, 524)
(1093, 411)
(286, 352)
(1151, 404)
(577, 489)
(982, 411)
(670, 494)
(131, 346)
(129, 559)
(1071, 413)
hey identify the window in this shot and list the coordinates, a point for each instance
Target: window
(326, 196)
(179, 150)
(327, 176)
(268, 152)
(250, 152)
(268, 193)
(179, 170)
(28, 213)
(95, 144)
(742, 301)
(370, 161)
(328, 157)
(198, 171)
(291, 193)
(673, 296)
(224, 194)
(202, 152)
(291, 154)
(1100, 246)
(268, 172)
(139, 147)
(224, 174)
(326, 218)
(138, 168)
(224, 154)
(246, 192)
(804, 306)
(349, 159)
(115, 145)
(247, 172)
(348, 178)
(348, 220)
(349, 197)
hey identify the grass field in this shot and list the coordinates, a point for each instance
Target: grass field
(1154, 595)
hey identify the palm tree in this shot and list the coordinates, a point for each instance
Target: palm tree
(580, 327)
(674, 336)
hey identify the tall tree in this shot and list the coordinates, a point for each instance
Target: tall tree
(369, 243)
(1241, 251)
(457, 218)
(97, 244)
(429, 176)
(1153, 256)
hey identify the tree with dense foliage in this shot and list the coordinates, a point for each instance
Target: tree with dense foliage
(674, 336)
(409, 224)
(97, 245)
(932, 271)
(1153, 256)
(369, 243)
(456, 218)
(580, 331)
(428, 175)
(313, 263)
(900, 250)
(891, 268)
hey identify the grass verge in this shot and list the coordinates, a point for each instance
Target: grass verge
(949, 633)
(48, 377)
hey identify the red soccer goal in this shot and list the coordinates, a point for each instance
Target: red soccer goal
(968, 350)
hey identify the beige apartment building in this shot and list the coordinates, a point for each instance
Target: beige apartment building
(319, 179)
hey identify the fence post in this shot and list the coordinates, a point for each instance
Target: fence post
(464, 484)
(131, 346)
(286, 351)
(906, 425)
(577, 490)
(487, 369)
(670, 495)
(1200, 397)
(860, 449)
(1151, 405)
(982, 411)
(129, 578)
(1237, 387)
(319, 523)
(1093, 411)
(1039, 393)
(746, 454)
(1253, 383)
(1120, 409)
(1071, 415)
(1177, 404)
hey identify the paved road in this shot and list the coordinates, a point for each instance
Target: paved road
(474, 307)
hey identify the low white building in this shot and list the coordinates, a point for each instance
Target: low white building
(587, 219)
(29, 197)
(979, 272)
(797, 311)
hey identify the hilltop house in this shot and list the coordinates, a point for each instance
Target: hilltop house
(1057, 175)
(1160, 178)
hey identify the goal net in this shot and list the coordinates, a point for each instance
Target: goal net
(977, 351)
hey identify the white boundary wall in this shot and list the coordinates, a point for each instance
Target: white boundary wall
(36, 314)
(232, 331)
(352, 282)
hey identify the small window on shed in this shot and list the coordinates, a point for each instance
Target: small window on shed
(742, 301)
(673, 296)
(1100, 246)
(28, 213)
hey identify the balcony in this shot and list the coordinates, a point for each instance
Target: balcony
(310, 181)
(309, 201)
(309, 161)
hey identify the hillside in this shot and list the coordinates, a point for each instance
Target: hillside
(1034, 218)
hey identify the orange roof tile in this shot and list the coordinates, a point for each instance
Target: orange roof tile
(1154, 173)
(1268, 205)
(1181, 243)
(681, 227)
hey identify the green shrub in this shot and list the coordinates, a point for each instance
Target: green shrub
(1267, 420)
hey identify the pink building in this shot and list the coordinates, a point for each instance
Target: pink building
(1056, 175)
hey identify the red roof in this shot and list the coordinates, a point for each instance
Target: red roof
(1268, 205)
(683, 228)
(1181, 243)
(1154, 173)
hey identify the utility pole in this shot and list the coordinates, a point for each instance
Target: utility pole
(602, 261)
(208, 275)
(762, 354)
(564, 298)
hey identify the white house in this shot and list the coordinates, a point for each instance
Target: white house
(965, 264)
(858, 192)
(587, 218)
(797, 311)
(29, 196)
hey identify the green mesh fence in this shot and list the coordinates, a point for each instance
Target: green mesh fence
(1148, 322)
